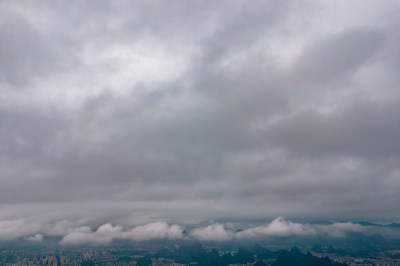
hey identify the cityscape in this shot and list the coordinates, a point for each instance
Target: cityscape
(197, 254)
(200, 132)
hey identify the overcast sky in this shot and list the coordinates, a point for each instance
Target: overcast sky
(134, 112)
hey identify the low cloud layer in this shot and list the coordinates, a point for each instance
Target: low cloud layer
(214, 232)
(132, 112)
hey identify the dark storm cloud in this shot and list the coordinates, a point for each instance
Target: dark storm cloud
(23, 52)
(131, 112)
(336, 56)
(364, 129)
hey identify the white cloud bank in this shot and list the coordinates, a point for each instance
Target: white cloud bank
(340, 229)
(13, 229)
(214, 232)
(278, 227)
(35, 238)
(107, 233)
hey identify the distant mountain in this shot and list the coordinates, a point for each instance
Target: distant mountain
(295, 257)
(392, 225)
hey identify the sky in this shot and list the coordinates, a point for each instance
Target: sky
(129, 117)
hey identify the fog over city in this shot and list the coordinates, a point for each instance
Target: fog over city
(206, 120)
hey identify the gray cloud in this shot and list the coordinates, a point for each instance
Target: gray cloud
(129, 113)
(336, 57)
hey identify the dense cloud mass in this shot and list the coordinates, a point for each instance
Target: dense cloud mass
(117, 115)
